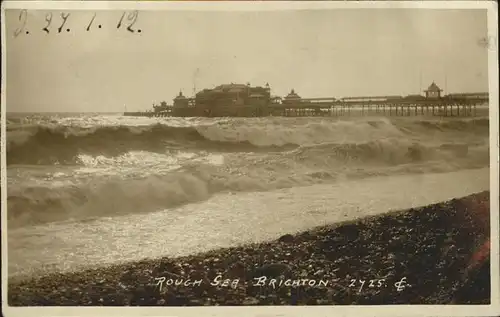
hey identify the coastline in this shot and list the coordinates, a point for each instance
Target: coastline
(426, 250)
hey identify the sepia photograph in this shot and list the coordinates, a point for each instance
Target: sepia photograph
(250, 154)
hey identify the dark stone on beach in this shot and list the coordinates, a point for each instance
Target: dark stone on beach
(169, 269)
(287, 238)
(272, 270)
(307, 235)
(238, 269)
(350, 232)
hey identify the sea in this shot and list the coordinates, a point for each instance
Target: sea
(89, 190)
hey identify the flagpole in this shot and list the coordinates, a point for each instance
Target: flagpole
(445, 80)
(194, 80)
(420, 82)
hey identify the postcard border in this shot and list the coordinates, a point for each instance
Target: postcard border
(388, 310)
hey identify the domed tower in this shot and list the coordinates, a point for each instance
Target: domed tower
(433, 91)
(180, 100)
(268, 89)
(292, 97)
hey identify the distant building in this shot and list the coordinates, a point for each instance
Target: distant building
(180, 101)
(433, 91)
(225, 100)
(292, 97)
(161, 107)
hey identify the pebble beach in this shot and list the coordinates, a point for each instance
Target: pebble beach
(425, 255)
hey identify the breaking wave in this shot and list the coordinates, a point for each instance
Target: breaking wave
(392, 152)
(99, 197)
(121, 169)
(112, 195)
(103, 197)
(54, 144)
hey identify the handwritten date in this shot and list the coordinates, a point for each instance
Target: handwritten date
(49, 19)
(23, 18)
(127, 21)
(132, 18)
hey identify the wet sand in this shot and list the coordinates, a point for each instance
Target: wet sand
(427, 255)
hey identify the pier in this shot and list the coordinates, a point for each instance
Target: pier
(443, 108)
(236, 100)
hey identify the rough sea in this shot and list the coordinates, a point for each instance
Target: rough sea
(94, 189)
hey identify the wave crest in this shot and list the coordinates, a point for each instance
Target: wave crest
(55, 144)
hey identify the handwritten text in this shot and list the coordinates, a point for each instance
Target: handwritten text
(59, 22)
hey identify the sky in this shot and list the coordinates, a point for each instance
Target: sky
(318, 53)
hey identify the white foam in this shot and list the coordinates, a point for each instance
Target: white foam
(227, 220)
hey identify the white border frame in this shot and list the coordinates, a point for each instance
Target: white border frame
(386, 310)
